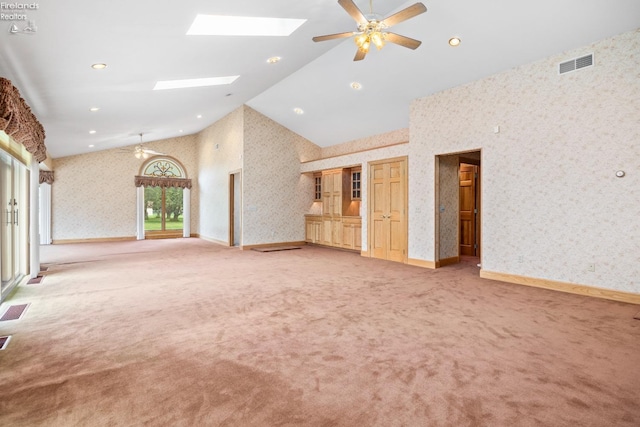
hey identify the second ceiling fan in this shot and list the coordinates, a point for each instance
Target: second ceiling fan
(371, 28)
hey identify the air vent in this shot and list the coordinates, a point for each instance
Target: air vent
(575, 64)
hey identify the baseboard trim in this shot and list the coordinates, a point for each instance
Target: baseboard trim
(95, 240)
(447, 261)
(365, 254)
(212, 240)
(422, 263)
(271, 245)
(567, 287)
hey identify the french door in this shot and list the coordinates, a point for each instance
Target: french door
(14, 196)
(164, 210)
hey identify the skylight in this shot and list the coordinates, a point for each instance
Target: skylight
(216, 25)
(180, 84)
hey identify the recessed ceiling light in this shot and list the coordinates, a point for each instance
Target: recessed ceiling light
(180, 131)
(94, 109)
(181, 84)
(216, 25)
(298, 111)
(199, 116)
(91, 146)
(454, 41)
(356, 86)
(92, 132)
(99, 66)
(274, 60)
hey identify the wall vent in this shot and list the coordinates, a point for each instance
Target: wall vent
(575, 64)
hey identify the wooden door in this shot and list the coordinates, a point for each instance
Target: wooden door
(388, 218)
(468, 209)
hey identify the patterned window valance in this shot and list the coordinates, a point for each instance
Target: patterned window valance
(46, 177)
(17, 121)
(153, 181)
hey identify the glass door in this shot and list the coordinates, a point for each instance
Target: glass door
(164, 211)
(14, 227)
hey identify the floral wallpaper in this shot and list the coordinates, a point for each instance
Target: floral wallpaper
(275, 195)
(376, 141)
(552, 206)
(448, 206)
(94, 196)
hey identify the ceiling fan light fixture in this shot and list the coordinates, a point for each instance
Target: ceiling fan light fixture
(377, 38)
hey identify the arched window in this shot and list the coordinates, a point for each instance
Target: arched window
(163, 168)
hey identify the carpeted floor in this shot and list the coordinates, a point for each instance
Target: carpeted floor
(188, 333)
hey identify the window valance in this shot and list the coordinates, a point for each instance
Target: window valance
(17, 121)
(46, 177)
(152, 181)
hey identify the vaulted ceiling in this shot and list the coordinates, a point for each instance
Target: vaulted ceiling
(145, 41)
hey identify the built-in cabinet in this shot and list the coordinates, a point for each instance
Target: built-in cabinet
(340, 224)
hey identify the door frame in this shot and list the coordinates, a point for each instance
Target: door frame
(233, 229)
(463, 157)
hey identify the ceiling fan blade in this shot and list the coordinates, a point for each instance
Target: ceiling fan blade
(155, 153)
(403, 41)
(353, 10)
(360, 55)
(405, 14)
(333, 36)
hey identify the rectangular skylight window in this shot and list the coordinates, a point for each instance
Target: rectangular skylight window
(180, 84)
(216, 25)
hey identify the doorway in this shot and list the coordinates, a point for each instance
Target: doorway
(164, 210)
(235, 209)
(458, 214)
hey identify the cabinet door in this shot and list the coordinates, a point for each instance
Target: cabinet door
(357, 236)
(336, 232)
(347, 236)
(327, 231)
(309, 230)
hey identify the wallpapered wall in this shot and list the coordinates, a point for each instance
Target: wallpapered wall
(550, 196)
(376, 141)
(268, 156)
(94, 196)
(448, 206)
(275, 195)
(219, 154)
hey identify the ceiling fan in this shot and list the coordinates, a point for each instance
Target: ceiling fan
(371, 28)
(140, 152)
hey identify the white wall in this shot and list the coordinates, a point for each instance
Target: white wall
(219, 154)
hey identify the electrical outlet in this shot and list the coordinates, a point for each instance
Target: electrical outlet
(591, 267)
